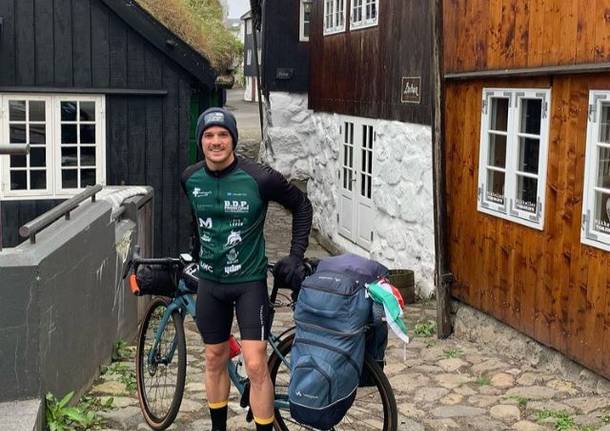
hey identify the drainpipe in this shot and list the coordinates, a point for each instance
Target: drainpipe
(256, 12)
(13, 150)
(443, 278)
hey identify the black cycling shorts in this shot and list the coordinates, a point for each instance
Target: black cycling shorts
(215, 302)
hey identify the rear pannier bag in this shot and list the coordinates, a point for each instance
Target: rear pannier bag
(159, 280)
(331, 314)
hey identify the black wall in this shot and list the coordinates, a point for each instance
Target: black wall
(282, 49)
(83, 44)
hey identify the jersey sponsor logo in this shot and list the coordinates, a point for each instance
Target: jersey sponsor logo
(207, 223)
(237, 195)
(232, 268)
(236, 222)
(237, 207)
(233, 239)
(206, 237)
(205, 253)
(197, 192)
(214, 117)
(207, 267)
(232, 257)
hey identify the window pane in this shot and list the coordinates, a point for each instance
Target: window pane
(495, 186)
(87, 177)
(38, 157)
(603, 170)
(604, 124)
(37, 112)
(38, 180)
(602, 212)
(499, 114)
(18, 161)
(527, 194)
(37, 134)
(529, 151)
(68, 134)
(306, 29)
(19, 180)
(87, 156)
(68, 111)
(87, 134)
(68, 178)
(69, 156)
(87, 111)
(497, 150)
(531, 114)
(16, 110)
(17, 134)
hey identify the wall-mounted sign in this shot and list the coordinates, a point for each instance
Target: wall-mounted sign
(284, 73)
(410, 89)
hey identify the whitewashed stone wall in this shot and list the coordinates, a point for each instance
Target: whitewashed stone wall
(306, 145)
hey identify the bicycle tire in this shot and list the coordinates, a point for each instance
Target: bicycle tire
(381, 390)
(160, 413)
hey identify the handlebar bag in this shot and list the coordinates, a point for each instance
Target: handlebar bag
(158, 280)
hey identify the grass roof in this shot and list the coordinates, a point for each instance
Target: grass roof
(200, 24)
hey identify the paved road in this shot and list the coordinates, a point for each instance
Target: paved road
(248, 122)
(439, 384)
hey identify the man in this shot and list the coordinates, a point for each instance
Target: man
(229, 197)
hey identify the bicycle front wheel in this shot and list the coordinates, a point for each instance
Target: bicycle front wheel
(373, 409)
(161, 365)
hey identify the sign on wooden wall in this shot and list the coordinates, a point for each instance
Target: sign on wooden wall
(410, 89)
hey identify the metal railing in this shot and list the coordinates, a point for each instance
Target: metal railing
(11, 150)
(31, 228)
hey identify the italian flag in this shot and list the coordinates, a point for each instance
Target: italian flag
(382, 292)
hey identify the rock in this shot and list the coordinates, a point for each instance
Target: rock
(489, 365)
(604, 428)
(465, 390)
(409, 409)
(452, 399)
(562, 386)
(589, 404)
(111, 387)
(408, 424)
(195, 387)
(428, 394)
(483, 423)
(451, 381)
(528, 426)
(145, 427)
(441, 424)
(120, 402)
(532, 392)
(127, 417)
(502, 380)
(529, 379)
(505, 412)
(549, 405)
(456, 411)
(409, 382)
(189, 406)
(200, 424)
(451, 364)
(483, 400)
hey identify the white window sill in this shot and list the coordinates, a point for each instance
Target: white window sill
(514, 219)
(358, 26)
(334, 31)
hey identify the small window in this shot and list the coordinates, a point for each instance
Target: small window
(249, 57)
(364, 13)
(334, 16)
(513, 154)
(66, 137)
(248, 26)
(596, 199)
(305, 20)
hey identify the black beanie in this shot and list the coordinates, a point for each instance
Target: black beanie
(217, 117)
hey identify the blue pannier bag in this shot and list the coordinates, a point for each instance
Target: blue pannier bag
(332, 313)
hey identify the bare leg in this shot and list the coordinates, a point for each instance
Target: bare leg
(261, 389)
(216, 374)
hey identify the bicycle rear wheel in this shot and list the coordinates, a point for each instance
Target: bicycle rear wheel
(373, 409)
(161, 366)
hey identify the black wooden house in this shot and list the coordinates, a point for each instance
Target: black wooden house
(103, 93)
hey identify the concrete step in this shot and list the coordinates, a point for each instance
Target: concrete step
(22, 415)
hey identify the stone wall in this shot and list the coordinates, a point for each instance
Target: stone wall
(306, 146)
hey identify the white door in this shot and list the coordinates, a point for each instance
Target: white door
(356, 213)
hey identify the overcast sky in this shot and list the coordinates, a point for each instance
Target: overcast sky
(238, 7)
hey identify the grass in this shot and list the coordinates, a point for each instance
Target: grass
(126, 375)
(60, 416)
(483, 381)
(121, 351)
(562, 419)
(521, 401)
(425, 328)
(200, 24)
(453, 353)
(606, 418)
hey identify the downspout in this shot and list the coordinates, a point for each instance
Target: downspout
(256, 12)
(443, 278)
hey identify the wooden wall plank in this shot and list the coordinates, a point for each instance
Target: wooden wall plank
(62, 30)
(117, 153)
(25, 60)
(43, 17)
(81, 10)
(184, 208)
(100, 45)
(136, 141)
(522, 22)
(136, 73)
(7, 43)
(117, 38)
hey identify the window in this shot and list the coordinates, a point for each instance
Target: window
(513, 155)
(249, 57)
(66, 137)
(248, 26)
(305, 20)
(364, 13)
(334, 16)
(596, 200)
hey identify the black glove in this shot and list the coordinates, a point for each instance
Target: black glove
(289, 270)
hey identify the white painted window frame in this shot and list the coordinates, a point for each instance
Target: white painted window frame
(334, 12)
(363, 22)
(302, 36)
(53, 146)
(508, 210)
(589, 234)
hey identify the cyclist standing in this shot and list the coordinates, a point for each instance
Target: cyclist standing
(229, 197)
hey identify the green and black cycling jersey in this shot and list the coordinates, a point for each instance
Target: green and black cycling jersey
(229, 210)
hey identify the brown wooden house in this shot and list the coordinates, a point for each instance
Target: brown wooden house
(527, 146)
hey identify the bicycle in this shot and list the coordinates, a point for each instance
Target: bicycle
(161, 360)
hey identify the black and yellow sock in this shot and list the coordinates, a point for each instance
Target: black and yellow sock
(218, 413)
(263, 424)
